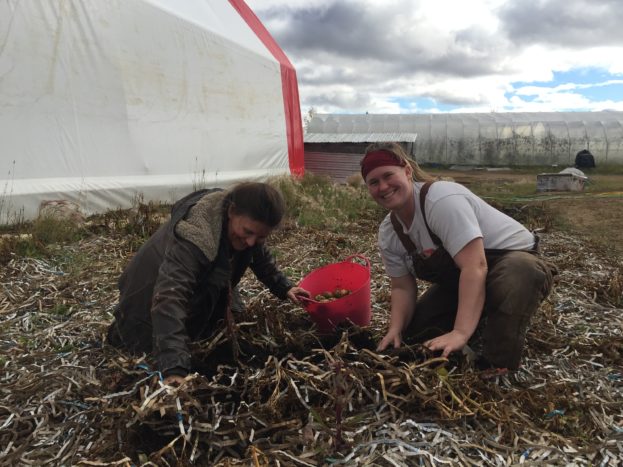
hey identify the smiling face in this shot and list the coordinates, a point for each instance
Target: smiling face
(391, 186)
(244, 232)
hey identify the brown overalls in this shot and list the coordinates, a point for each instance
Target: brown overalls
(517, 282)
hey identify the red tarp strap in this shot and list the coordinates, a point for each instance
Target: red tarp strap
(294, 127)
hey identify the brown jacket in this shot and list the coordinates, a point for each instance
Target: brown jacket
(178, 284)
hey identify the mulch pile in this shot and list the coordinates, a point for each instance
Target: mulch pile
(286, 395)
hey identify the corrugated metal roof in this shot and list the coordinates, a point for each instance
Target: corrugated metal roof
(359, 137)
(338, 166)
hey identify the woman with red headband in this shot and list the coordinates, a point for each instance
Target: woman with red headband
(482, 263)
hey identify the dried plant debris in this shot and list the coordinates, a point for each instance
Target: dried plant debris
(290, 396)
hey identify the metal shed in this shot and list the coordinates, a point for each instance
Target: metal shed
(338, 154)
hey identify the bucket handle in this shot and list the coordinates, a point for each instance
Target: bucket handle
(306, 300)
(361, 257)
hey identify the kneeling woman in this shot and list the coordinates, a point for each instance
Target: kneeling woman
(481, 262)
(183, 279)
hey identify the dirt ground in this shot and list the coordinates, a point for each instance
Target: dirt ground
(272, 391)
(598, 219)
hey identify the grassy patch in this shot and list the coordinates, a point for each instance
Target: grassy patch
(315, 201)
(604, 184)
(141, 221)
(32, 239)
(47, 230)
(61, 309)
(136, 224)
(505, 190)
(74, 263)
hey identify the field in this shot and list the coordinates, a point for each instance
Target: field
(275, 392)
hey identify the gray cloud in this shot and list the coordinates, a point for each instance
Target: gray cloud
(458, 63)
(449, 98)
(568, 23)
(354, 55)
(345, 28)
(357, 100)
(312, 75)
(347, 33)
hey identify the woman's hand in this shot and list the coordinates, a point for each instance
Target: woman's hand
(403, 298)
(448, 343)
(393, 337)
(294, 292)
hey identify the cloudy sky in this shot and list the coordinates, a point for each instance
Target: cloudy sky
(405, 56)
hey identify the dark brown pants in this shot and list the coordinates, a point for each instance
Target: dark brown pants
(517, 282)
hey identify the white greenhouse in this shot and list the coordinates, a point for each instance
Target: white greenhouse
(492, 139)
(105, 102)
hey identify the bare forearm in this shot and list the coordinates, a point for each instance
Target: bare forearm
(472, 263)
(402, 306)
(471, 300)
(403, 298)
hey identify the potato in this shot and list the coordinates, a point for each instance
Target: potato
(328, 296)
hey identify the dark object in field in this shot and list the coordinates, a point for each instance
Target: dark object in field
(584, 159)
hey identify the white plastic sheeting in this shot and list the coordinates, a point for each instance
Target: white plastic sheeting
(541, 138)
(102, 101)
(359, 137)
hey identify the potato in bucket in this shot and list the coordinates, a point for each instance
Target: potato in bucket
(340, 292)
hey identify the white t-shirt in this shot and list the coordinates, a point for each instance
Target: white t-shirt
(457, 216)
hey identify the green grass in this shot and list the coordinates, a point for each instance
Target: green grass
(316, 201)
(73, 262)
(605, 169)
(32, 239)
(48, 230)
(599, 184)
(61, 309)
(505, 190)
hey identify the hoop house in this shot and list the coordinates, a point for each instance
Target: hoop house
(493, 139)
(102, 101)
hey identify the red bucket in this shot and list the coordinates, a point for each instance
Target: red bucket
(355, 306)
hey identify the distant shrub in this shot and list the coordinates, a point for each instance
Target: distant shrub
(47, 230)
(316, 201)
(355, 180)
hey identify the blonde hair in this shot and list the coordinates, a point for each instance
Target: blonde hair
(399, 153)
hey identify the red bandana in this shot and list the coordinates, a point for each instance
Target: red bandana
(375, 159)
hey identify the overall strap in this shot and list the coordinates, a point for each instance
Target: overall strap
(402, 236)
(410, 247)
(436, 240)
